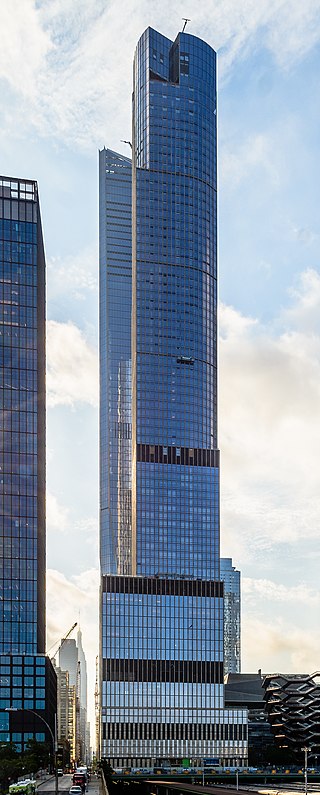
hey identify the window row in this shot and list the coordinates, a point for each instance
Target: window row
(130, 670)
(18, 231)
(177, 455)
(174, 731)
(162, 587)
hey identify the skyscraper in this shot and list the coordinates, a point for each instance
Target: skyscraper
(232, 616)
(72, 659)
(68, 659)
(161, 595)
(83, 698)
(115, 176)
(27, 679)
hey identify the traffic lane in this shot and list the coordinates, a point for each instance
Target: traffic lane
(65, 783)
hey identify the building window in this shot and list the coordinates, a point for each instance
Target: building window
(184, 63)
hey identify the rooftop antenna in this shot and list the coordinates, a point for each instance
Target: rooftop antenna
(126, 142)
(186, 20)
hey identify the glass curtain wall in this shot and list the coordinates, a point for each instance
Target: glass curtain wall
(24, 682)
(162, 615)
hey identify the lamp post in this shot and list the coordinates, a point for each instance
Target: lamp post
(305, 749)
(237, 775)
(54, 738)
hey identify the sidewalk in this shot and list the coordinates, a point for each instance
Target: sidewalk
(96, 786)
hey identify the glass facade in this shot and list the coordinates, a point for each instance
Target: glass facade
(161, 595)
(232, 616)
(175, 303)
(22, 451)
(115, 361)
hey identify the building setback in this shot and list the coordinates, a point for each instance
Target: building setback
(161, 661)
(27, 679)
(246, 690)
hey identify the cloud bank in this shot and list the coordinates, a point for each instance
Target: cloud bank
(72, 366)
(269, 421)
(75, 57)
(68, 601)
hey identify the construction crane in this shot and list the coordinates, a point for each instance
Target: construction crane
(186, 20)
(62, 641)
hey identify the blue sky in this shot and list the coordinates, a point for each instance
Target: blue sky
(65, 88)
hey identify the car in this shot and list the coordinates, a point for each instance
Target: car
(60, 772)
(75, 790)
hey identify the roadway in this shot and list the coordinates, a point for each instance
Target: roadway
(64, 784)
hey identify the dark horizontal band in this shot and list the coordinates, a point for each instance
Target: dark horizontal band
(162, 671)
(187, 456)
(174, 731)
(162, 587)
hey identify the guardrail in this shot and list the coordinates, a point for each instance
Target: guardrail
(263, 777)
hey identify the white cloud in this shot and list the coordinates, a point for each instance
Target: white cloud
(278, 592)
(75, 57)
(279, 646)
(238, 162)
(304, 314)
(269, 422)
(294, 30)
(57, 515)
(74, 275)
(232, 323)
(262, 161)
(304, 235)
(25, 46)
(72, 366)
(68, 601)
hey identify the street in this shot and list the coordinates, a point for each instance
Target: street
(65, 782)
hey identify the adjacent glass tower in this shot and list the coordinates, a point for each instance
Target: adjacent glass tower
(161, 595)
(232, 616)
(26, 677)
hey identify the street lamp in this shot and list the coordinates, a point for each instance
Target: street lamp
(237, 775)
(305, 749)
(54, 739)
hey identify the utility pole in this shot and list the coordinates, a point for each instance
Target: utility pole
(305, 749)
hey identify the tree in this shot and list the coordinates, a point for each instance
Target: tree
(36, 755)
(11, 765)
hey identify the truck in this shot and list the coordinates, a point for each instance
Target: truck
(80, 779)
